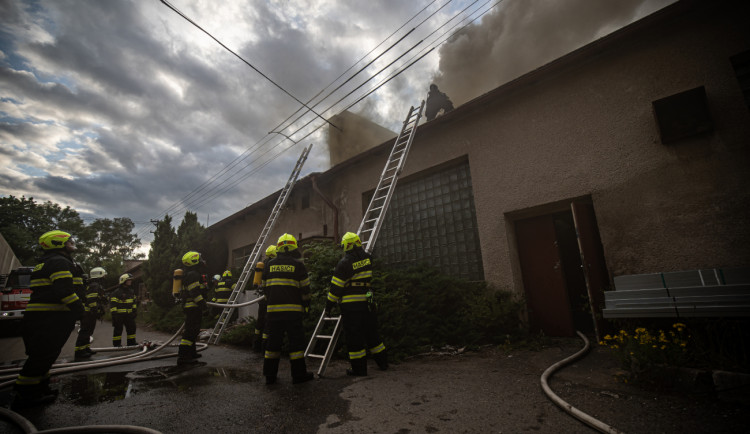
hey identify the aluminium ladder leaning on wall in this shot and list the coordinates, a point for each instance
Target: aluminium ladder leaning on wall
(249, 269)
(370, 226)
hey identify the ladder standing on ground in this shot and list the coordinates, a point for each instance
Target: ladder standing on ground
(370, 226)
(255, 254)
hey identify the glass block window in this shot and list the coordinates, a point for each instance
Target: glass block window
(432, 219)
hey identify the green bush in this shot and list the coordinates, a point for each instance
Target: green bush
(419, 307)
(240, 335)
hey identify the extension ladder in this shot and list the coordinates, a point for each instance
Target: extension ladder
(249, 269)
(369, 228)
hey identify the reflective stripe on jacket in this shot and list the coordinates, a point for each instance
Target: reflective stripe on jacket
(52, 285)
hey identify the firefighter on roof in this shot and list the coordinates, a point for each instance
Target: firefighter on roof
(50, 317)
(193, 301)
(124, 308)
(93, 311)
(287, 289)
(350, 288)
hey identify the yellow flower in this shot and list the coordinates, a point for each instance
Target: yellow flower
(678, 325)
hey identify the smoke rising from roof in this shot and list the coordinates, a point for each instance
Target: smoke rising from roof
(357, 135)
(519, 36)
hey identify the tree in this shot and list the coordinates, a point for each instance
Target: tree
(191, 234)
(105, 243)
(163, 259)
(22, 221)
(109, 243)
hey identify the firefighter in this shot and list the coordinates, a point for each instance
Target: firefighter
(261, 333)
(49, 319)
(193, 304)
(92, 312)
(223, 291)
(287, 289)
(350, 289)
(436, 101)
(124, 308)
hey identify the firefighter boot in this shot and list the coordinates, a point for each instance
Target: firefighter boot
(359, 368)
(381, 359)
(184, 355)
(299, 371)
(46, 390)
(270, 369)
(31, 396)
(90, 351)
(81, 355)
(194, 352)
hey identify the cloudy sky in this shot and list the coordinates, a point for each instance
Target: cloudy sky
(124, 108)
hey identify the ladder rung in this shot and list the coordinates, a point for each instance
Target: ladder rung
(316, 356)
(324, 336)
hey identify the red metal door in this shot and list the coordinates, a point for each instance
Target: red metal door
(592, 258)
(543, 279)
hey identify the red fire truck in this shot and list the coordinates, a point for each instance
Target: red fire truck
(16, 290)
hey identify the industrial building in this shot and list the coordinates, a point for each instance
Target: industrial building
(631, 152)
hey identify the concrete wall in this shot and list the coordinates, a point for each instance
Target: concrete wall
(583, 127)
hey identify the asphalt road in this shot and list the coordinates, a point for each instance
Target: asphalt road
(488, 391)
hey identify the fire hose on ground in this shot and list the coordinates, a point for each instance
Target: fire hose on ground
(143, 355)
(576, 413)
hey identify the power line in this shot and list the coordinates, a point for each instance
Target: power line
(167, 4)
(240, 158)
(203, 200)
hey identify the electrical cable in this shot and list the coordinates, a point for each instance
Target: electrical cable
(382, 83)
(578, 414)
(236, 161)
(167, 4)
(369, 63)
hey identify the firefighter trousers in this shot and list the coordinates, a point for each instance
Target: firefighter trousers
(186, 349)
(128, 321)
(296, 335)
(44, 335)
(361, 333)
(88, 324)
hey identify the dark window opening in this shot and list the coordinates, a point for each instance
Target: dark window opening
(683, 115)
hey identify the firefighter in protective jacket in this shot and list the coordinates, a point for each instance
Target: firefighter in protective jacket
(350, 288)
(50, 317)
(223, 291)
(261, 332)
(93, 311)
(193, 300)
(287, 289)
(124, 307)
